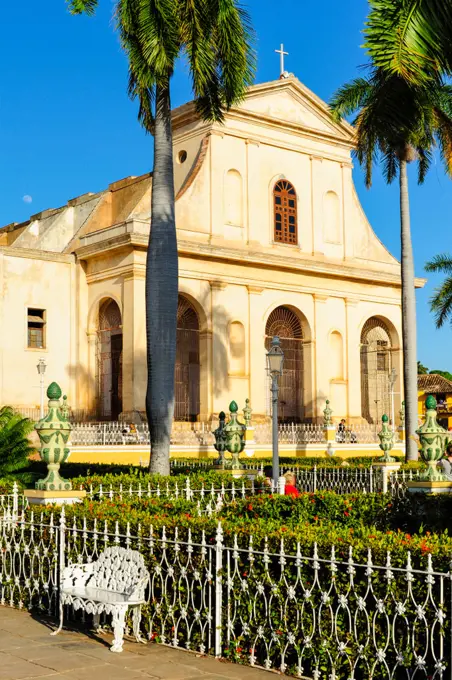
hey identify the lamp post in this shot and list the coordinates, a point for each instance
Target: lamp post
(275, 361)
(41, 366)
(392, 382)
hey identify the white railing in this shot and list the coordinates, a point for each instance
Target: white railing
(201, 434)
(311, 614)
(338, 479)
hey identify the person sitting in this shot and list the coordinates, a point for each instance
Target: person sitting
(445, 464)
(290, 489)
(340, 436)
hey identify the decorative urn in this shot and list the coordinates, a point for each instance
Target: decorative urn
(433, 439)
(327, 415)
(235, 436)
(53, 431)
(386, 437)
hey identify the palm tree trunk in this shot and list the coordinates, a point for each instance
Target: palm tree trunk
(161, 290)
(408, 319)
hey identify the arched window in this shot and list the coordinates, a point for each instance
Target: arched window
(109, 360)
(376, 365)
(187, 368)
(284, 323)
(285, 212)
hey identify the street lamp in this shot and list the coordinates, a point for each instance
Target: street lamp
(275, 361)
(41, 366)
(392, 382)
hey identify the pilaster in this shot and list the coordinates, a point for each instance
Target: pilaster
(134, 367)
(353, 357)
(258, 385)
(322, 378)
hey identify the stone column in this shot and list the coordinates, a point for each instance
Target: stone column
(316, 200)
(134, 368)
(219, 347)
(259, 386)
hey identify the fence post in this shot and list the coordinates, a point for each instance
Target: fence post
(281, 485)
(15, 502)
(61, 559)
(219, 591)
(371, 480)
(315, 479)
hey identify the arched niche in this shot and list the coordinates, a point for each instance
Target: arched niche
(233, 198)
(109, 360)
(336, 357)
(331, 218)
(237, 348)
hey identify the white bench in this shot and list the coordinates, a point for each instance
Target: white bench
(112, 584)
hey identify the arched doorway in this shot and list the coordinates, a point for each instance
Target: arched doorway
(376, 367)
(109, 360)
(187, 370)
(284, 323)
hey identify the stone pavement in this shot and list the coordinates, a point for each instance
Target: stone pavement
(27, 651)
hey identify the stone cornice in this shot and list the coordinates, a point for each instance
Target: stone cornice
(262, 259)
(268, 260)
(32, 254)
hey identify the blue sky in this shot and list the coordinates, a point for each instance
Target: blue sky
(67, 126)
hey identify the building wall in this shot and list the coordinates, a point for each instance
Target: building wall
(34, 279)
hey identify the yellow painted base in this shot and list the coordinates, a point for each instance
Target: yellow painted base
(139, 455)
(429, 487)
(38, 497)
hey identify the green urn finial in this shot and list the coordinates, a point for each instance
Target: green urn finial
(386, 437)
(430, 403)
(433, 439)
(233, 407)
(54, 391)
(53, 431)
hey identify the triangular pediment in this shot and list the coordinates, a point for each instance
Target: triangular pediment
(288, 101)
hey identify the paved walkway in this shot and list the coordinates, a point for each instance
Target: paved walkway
(28, 652)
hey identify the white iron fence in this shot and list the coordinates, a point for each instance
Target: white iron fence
(320, 614)
(200, 434)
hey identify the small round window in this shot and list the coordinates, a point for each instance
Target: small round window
(182, 156)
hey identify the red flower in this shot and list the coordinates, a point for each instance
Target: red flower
(250, 507)
(346, 513)
(315, 518)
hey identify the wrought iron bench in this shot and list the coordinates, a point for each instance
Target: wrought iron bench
(112, 584)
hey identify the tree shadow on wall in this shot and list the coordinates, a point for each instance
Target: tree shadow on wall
(201, 371)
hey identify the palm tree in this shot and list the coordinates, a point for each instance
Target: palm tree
(410, 38)
(400, 122)
(15, 447)
(441, 301)
(215, 37)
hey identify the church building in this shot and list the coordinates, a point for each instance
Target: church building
(272, 241)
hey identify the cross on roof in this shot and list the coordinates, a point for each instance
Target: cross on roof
(281, 58)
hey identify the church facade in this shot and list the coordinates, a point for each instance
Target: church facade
(272, 241)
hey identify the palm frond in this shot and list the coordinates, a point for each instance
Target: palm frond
(440, 263)
(410, 38)
(441, 303)
(350, 97)
(82, 6)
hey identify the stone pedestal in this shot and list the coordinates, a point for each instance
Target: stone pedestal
(330, 433)
(386, 469)
(249, 441)
(43, 497)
